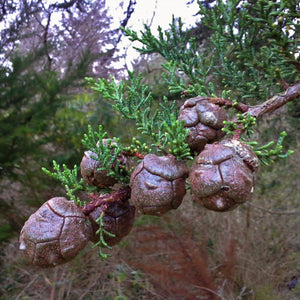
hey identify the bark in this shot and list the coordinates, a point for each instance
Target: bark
(275, 102)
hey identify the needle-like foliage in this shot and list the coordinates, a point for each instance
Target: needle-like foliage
(156, 121)
(107, 153)
(101, 232)
(271, 152)
(253, 49)
(69, 179)
(182, 54)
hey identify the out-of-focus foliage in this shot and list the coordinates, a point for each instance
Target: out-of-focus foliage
(45, 52)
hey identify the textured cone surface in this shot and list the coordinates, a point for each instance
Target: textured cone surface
(158, 184)
(223, 175)
(91, 174)
(118, 219)
(204, 121)
(55, 233)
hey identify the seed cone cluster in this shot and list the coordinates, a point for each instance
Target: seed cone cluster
(222, 177)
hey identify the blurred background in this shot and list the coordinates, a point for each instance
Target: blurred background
(47, 48)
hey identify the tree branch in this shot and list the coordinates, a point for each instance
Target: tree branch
(129, 11)
(275, 102)
(121, 195)
(66, 5)
(223, 102)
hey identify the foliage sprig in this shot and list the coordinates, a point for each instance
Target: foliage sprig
(69, 179)
(102, 243)
(244, 121)
(154, 120)
(107, 153)
(256, 44)
(137, 146)
(128, 98)
(182, 54)
(174, 138)
(271, 152)
(254, 47)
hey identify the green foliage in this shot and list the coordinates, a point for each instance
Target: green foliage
(41, 119)
(39, 122)
(256, 43)
(174, 138)
(129, 97)
(246, 121)
(182, 54)
(271, 152)
(137, 146)
(170, 44)
(252, 49)
(101, 232)
(28, 101)
(268, 153)
(251, 55)
(156, 121)
(194, 87)
(69, 179)
(6, 232)
(107, 153)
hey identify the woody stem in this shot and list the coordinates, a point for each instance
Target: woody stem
(122, 195)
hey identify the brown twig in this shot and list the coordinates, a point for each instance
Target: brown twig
(122, 194)
(275, 102)
(284, 84)
(257, 111)
(238, 132)
(131, 154)
(224, 102)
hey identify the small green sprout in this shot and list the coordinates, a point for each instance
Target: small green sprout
(174, 139)
(246, 120)
(270, 152)
(68, 179)
(107, 153)
(102, 243)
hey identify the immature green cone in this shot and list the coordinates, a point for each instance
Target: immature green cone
(55, 233)
(158, 184)
(204, 121)
(223, 175)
